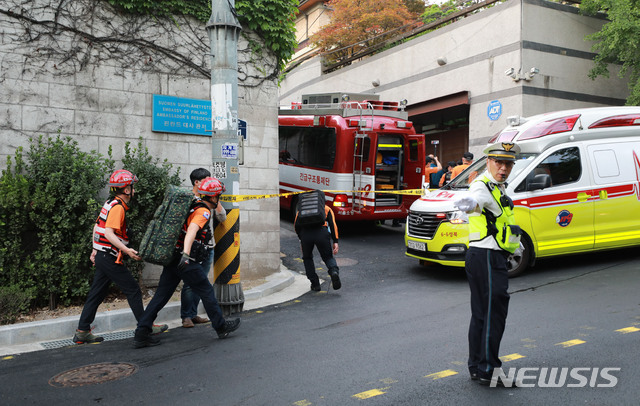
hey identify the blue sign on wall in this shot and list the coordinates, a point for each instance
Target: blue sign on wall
(181, 115)
(494, 111)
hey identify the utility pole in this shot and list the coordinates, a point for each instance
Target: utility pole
(224, 29)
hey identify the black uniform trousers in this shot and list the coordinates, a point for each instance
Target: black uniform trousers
(488, 281)
(108, 271)
(194, 276)
(319, 237)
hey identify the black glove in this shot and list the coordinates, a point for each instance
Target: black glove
(184, 261)
(515, 230)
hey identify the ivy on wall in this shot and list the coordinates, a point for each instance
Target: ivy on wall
(272, 20)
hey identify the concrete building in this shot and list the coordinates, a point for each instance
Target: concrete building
(519, 57)
(312, 15)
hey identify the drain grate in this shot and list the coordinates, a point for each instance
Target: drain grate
(93, 374)
(118, 335)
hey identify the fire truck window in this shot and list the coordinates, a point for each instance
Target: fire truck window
(309, 146)
(563, 166)
(364, 145)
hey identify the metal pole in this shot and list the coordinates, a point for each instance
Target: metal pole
(224, 29)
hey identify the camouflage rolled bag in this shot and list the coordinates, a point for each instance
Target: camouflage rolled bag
(159, 242)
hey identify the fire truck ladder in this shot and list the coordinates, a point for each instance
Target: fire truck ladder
(358, 201)
(358, 154)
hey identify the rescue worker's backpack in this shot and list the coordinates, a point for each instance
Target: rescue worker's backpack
(159, 242)
(311, 209)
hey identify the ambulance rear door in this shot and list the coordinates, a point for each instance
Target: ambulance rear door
(562, 215)
(616, 172)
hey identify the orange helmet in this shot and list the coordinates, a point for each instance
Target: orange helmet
(211, 187)
(122, 178)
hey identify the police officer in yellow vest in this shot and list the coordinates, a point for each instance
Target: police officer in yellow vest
(493, 236)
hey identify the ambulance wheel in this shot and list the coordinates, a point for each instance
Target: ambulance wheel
(519, 261)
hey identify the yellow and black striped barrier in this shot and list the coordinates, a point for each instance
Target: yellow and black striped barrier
(226, 266)
(242, 198)
(226, 263)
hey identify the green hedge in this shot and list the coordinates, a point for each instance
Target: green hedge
(49, 199)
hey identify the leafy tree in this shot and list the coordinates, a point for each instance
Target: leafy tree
(48, 206)
(437, 11)
(356, 25)
(415, 7)
(617, 42)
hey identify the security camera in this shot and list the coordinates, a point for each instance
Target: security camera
(509, 72)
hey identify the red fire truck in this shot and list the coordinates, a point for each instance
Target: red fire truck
(355, 147)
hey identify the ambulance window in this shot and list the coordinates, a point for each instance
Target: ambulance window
(606, 163)
(563, 166)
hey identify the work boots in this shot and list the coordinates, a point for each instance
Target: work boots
(228, 327)
(335, 280)
(145, 338)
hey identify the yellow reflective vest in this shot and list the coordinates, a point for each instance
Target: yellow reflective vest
(502, 228)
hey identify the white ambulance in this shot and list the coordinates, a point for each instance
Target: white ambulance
(576, 188)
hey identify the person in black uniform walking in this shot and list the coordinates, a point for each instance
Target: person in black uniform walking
(320, 236)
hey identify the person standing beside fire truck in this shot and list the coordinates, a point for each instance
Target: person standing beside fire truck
(493, 236)
(320, 236)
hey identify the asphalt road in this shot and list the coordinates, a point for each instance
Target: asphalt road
(395, 334)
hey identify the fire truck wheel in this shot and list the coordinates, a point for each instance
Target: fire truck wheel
(519, 261)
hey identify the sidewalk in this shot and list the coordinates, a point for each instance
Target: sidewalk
(118, 324)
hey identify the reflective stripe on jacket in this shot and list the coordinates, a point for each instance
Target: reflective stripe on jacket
(100, 241)
(489, 225)
(204, 235)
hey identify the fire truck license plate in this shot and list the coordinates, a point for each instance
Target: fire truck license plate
(414, 245)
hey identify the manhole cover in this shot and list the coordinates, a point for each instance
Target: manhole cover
(346, 261)
(93, 374)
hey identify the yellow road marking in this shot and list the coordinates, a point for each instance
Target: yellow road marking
(571, 343)
(303, 402)
(441, 374)
(388, 381)
(627, 330)
(7, 357)
(511, 357)
(368, 394)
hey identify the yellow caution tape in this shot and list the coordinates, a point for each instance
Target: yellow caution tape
(242, 198)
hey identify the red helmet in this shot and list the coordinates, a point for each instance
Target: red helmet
(211, 187)
(122, 178)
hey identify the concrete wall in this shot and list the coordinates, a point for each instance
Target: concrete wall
(478, 50)
(108, 102)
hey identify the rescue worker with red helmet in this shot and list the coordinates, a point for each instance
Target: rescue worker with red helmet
(191, 252)
(110, 244)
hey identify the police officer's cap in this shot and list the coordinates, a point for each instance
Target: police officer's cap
(504, 151)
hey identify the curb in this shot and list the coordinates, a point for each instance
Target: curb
(27, 336)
